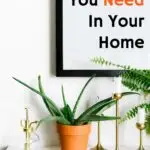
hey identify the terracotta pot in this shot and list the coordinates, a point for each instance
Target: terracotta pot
(74, 137)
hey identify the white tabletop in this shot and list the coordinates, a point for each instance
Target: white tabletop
(15, 148)
(57, 148)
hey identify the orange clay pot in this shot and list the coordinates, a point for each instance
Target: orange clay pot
(74, 137)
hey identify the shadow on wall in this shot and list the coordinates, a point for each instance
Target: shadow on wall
(4, 148)
(52, 37)
(47, 131)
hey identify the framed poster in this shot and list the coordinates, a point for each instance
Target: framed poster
(114, 29)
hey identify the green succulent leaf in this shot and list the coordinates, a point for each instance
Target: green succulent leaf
(63, 96)
(51, 118)
(80, 95)
(99, 118)
(95, 108)
(50, 102)
(48, 105)
(66, 110)
(104, 107)
(100, 107)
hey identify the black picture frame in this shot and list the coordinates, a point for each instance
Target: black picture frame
(60, 72)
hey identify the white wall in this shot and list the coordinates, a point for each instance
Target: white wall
(27, 49)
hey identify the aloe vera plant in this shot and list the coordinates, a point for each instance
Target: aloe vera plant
(66, 115)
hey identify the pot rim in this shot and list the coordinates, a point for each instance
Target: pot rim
(74, 125)
(74, 130)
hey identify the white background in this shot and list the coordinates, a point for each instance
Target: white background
(27, 49)
(81, 43)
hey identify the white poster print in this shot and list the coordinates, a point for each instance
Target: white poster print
(114, 29)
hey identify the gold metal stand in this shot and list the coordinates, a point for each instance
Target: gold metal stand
(99, 145)
(141, 127)
(117, 97)
(28, 129)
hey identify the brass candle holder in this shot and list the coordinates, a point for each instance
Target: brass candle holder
(99, 145)
(141, 127)
(117, 97)
(28, 128)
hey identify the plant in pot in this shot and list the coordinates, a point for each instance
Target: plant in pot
(73, 131)
(136, 80)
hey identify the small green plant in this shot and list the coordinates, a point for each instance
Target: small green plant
(66, 115)
(136, 80)
(132, 113)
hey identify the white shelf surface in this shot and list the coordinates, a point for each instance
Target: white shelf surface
(57, 148)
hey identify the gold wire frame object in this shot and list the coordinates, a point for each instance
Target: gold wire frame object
(28, 129)
(117, 97)
(141, 127)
